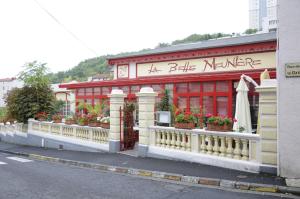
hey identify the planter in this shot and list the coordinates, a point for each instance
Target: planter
(211, 127)
(83, 123)
(190, 125)
(94, 124)
(41, 119)
(57, 121)
(105, 125)
(70, 122)
(227, 127)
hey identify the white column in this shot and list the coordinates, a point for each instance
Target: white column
(116, 101)
(146, 100)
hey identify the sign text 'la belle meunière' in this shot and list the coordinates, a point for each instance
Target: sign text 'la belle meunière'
(211, 64)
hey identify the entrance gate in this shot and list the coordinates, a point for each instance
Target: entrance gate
(127, 136)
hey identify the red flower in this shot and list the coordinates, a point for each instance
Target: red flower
(208, 115)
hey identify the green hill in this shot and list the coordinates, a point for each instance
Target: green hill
(98, 65)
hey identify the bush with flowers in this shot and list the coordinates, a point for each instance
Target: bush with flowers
(82, 119)
(184, 120)
(57, 118)
(219, 123)
(42, 116)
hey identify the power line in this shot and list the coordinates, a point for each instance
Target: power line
(65, 28)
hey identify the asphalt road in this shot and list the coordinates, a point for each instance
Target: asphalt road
(26, 179)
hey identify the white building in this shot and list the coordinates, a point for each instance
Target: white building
(263, 15)
(67, 96)
(6, 85)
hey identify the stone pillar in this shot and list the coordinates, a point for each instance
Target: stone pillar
(116, 101)
(267, 126)
(146, 100)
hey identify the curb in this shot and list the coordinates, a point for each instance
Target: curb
(212, 182)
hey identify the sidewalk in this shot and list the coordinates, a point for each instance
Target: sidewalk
(151, 164)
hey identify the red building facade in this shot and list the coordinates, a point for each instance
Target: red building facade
(202, 74)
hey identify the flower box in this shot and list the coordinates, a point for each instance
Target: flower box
(227, 127)
(85, 123)
(105, 125)
(70, 122)
(94, 124)
(189, 125)
(57, 121)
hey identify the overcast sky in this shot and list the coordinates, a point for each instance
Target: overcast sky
(104, 26)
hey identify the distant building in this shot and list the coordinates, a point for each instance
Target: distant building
(263, 15)
(67, 96)
(7, 84)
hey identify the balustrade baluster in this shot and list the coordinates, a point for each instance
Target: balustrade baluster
(209, 145)
(183, 141)
(245, 151)
(178, 142)
(229, 147)
(158, 138)
(173, 141)
(188, 146)
(216, 145)
(222, 148)
(237, 150)
(203, 144)
(168, 141)
(163, 140)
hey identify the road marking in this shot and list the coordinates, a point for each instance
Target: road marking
(3, 163)
(19, 159)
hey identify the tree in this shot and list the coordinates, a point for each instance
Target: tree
(36, 96)
(24, 103)
(164, 103)
(35, 74)
(250, 31)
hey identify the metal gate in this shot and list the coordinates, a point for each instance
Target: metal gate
(127, 136)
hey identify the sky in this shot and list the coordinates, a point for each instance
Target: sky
(82, 29)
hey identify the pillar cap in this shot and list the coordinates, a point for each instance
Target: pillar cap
(146, 91)
(117, 93)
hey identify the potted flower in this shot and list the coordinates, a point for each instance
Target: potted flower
(228, 123)
(105, 122)
(57, 118)
(41, 116)
(82, 120)
(69, 120)
(184, 120)
(93, 120)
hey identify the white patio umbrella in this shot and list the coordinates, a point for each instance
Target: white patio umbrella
(242, 108)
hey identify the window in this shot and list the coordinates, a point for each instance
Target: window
(157, 88)
(88, 91)
(105, 90)
(81, 92)
(181, 88)
(97, 91)
(212, 97)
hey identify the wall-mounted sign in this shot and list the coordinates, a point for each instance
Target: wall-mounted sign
(208, 65)
(292, 70)
(123, 71)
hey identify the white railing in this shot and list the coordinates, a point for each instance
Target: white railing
(16, 127)
(240, 146)
(95, 134)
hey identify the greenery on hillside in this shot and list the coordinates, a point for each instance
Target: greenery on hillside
(98, 65)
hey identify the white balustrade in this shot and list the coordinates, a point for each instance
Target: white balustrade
(95, 134)
(223, 144)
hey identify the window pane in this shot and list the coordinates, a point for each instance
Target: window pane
(157, 88)
(181, 88)
(194, 87)
(96, 101)
(105, 90)
(208, 87)
(80, 92)
(135, 89)
(88, 91)
(88, 101)
(182, 103)
(195, 104)
(222, 106)
(97, 91)
(208, 104)
(222, 86)
(125, 89)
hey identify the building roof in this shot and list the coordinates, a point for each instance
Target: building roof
(222, 42)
